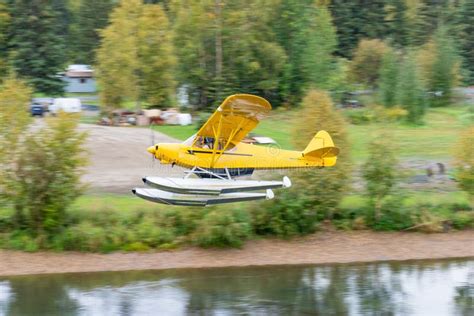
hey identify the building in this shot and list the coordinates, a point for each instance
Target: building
(79, 79)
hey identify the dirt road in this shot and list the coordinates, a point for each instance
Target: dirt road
(118, 157)
(319, 248)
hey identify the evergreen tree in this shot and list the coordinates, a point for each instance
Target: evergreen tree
(410, 94)
(356, 20)
(397, 23)
(465, 37)
(443, 75)
(388, 78)
(430, 14)
(306, 32)
(4, 28)
(37, 45)
(90, 17)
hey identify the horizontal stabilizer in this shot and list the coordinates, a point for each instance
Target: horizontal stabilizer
(212, 186)
(164, 197)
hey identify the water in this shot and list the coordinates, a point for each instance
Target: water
(410, 288)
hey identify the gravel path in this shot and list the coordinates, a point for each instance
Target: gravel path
(319, 248)
(118, 158)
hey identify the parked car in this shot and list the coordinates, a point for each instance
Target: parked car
(68, 105)
(39, 106)
(37, 109)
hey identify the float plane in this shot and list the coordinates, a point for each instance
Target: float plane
(217, 156)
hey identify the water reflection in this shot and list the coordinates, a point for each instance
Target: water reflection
(417, 288)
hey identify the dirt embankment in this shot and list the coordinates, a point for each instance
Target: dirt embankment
(319, 248)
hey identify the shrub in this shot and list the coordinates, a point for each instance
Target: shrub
(285, 216)
(464, 161)
(223, 227)
(463, 220)
(323, 188)
(394, 215)
(379, 171)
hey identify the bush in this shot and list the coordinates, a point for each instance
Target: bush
(463, 220)
(394, 215)
(223, 227)
(287, 215)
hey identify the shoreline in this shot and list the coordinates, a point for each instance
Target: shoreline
(325, 247)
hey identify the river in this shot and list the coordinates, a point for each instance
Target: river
(441, 287)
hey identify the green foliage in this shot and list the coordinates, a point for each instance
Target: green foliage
(388, 78)
(465, 23)
(443, 74)
(285, 216)
(365, 66)
(42, 179)
(135, 60)
(464, 160)
(394, 216)
(379, 171)
(37, 45)
(463, 220)
(306, 32)
(213, 62)
(88, 19)
(223, 227)
(355, 20)
(323, 188)
(410, 94)
(5, 20)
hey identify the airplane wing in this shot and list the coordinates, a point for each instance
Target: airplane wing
(235, 118)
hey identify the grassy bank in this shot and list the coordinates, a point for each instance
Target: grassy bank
(104, 223)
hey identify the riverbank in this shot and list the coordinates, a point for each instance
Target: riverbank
(319, 248)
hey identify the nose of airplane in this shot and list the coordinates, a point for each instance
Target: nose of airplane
(152, 149)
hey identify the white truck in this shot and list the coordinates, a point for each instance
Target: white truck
(67, 105)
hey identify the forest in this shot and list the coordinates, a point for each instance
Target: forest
(411, 51)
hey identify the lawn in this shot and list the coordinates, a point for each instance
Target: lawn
(433, 140)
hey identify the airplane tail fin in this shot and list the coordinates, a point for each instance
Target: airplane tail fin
(321, 146)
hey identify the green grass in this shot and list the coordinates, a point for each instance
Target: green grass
(433, 140)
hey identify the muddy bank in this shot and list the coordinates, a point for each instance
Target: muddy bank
(319, 248)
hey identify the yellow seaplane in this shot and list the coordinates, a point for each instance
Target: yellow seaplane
(218, 154)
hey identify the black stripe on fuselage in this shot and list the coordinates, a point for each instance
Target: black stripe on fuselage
(192, 152)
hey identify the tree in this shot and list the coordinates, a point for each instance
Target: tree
(156, 57)
(397, 21)
(226, 47)
(135, 60)
(388, 78)
(356, 20)
(37, 45)
(466, 44)
(90, 17)
(14, 119)
(443, 77)
(464, 162)
(5, 19)
(379, 171)
(410, 94)
(306, 32)
(46, 178)
(365, 66)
